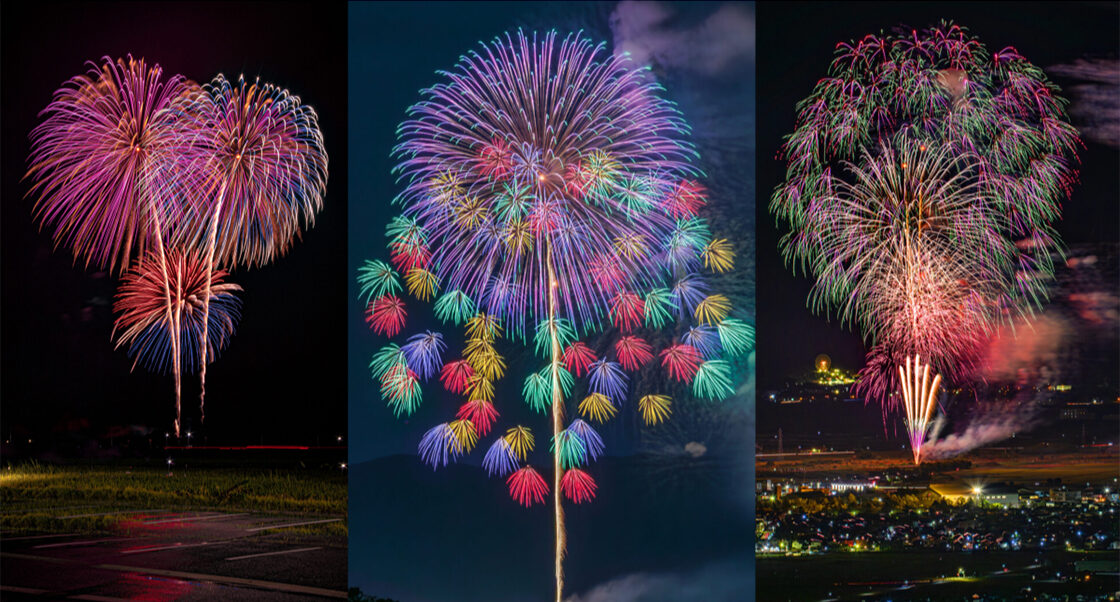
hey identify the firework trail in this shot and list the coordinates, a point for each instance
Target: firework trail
(549, 195)
(924, 179)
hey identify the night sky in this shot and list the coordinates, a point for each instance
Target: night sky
(667, 524)
(282, 378)
(795, 48)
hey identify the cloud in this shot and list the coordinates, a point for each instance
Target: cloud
(695, 449)
(1096, 97)
(652, 34)
(723, 580)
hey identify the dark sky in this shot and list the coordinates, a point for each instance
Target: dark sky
(282, 378)
(795, 47)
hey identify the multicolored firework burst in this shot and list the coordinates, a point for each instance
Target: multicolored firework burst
(924, 178)
(126, 161)
(549, 195)
(257, 166)
(161, 341)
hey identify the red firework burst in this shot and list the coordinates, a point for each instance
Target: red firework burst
(386, 315)
(682, 362)
(527, 486)
(633, 352)
(578, 357)
(578, 486)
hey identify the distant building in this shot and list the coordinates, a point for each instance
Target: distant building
(1065, 496)
(1007, 499)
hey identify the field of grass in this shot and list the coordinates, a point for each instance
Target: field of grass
(35, 497)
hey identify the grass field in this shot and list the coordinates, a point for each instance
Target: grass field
(36, 497)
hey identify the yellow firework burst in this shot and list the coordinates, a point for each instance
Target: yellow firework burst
(597, 407)
(483, 327)
(421, 283)
(469, 212)
(465, 434)
(489, 364)
(718, 255)
(655, 409)
(446, 188)
(480, 387)
(630, 245)
(713, 309)
(518, 237)
(520, 440)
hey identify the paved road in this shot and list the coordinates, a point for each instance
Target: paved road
(171, 555)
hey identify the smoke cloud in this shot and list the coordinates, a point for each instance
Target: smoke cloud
(1096, 97)
(724, 580)
(994, 424)
(652, 34)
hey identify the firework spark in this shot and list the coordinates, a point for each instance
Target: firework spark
(924, 179)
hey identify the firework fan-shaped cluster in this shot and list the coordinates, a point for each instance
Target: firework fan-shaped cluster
(172, 183)
(550, 201)
(924, 178)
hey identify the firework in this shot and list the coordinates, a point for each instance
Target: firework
(592, 442)
(127, 161)
(735, 336)
(386, 315)
(520, 441)
(655, 409)
(552, 208)
(918, 397)
(704, 339)
(924, 178)
(258, 173)
(401, 389)
(713, 380)
(480, 413)
(597, 407)
(569, 448)
(578, 486)
(456, 375)
(378, 279)
(439, 445)
(97, 160)
(633, 352)
(527, 486)
(169, 343)
(454, 307)
(500, 459)
(681, 362)
(578, 357)
(422, 352)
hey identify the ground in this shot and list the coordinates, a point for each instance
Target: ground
(191, 534)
